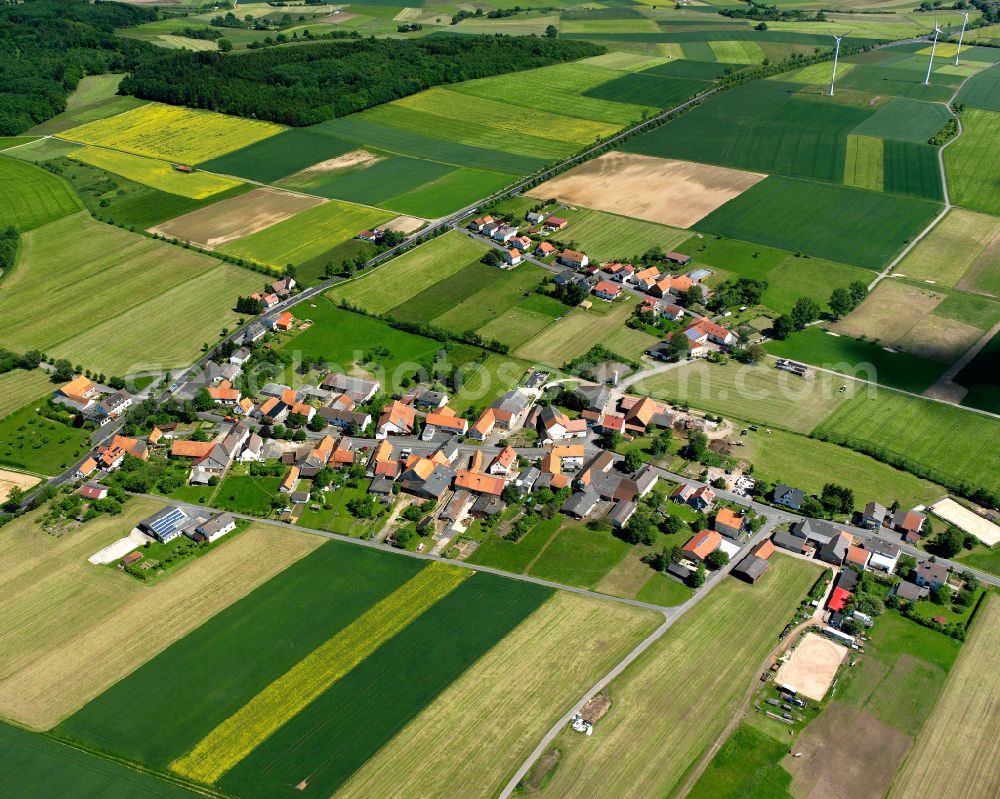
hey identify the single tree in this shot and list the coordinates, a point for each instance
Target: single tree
(783, 327)
(805, 311)
(840, 303)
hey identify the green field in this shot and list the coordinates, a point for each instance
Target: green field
(747, 766)
(515, 556)
(327, 741)
(306, 235)
(579, 556)
(96, 281)
(449, 192)
(863, 358)
(485, 380)
(766, 129)
(30, 196)
(254, 641)
(278, 156)
(980, 378)
(912, 169)
(18, 387)
(523, 321)
(973, 162)
(88, 112)
(246, 494)
(982, 90)
(605, 236)
(34, 443)
(949, 445)
(864, 165)
(652, 90)
(417, 271)
(906, 120)
(347, 340)
(35, 767)
(756, 394)
(810, 464)
(575, 333)
(840, 223)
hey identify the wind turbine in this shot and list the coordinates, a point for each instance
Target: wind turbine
(960, 37)
(930, 63)
(836, 54)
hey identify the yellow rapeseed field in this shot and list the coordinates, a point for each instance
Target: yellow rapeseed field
(158, 174)
(241, 733)
(177, 134)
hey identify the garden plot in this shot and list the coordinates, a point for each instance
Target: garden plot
(813, 666)
(677, 193)
(237, 217)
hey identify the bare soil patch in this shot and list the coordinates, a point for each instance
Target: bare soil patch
(846, 754)
(355, 158)
(237, 217)
(663, 190)
(941, 339)
(890, 313)
(812, 666)
(404, 224)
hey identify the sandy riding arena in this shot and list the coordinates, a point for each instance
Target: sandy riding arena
(677, 193)
(981, 528)
(10, 480)
(813, 665)
(232, 219)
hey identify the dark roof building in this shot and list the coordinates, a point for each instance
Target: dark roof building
(164, 525)
(788, 496)
(751, 568)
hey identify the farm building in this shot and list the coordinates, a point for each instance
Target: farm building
(751, 568)
(164, 525)
(702, 544)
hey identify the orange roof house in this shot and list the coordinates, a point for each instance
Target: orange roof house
(284, 321)
(503, 461)
(764, 549)
(224, 392)
(291, 480)
(857, 555)
(397, 418)
(87, 467)
(729, 522)
(703, 544)
(448, 421)
(190, 449)
(484, 424)
(478, 482)
(568, 450)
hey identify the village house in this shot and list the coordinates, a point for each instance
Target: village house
(554, 425)
(884, 555)
(111, 407)
(622, 512)
(240, 356)
(254, 332)
(857, 556)
(555, 223)
(909, 523)
(425, 478)
(671, 312)
(544, 250)
(874, 516)
(620, 273)
(93, 491)
(396, 420)
(359, 389)
(512, 257)
(448, 422)
(216, 527)
(224, 393)
(522, 242)
(428, 400)
(457, 507)
(281, 322)
(283, 286)
(704, 330)
(788, 497)
(504, 233)
(729, 523)
(291, 481)
(267, 301)
(165, 525)
(702, 544)
(484, 425)
(931, 575)
(581, 504)
(835, 550)
(607, 291)
(699, 498)
(345, 420)
(573, 259)
(647, 278)
(478, 224)
(503, 461)
(478, 483)
(79, 393)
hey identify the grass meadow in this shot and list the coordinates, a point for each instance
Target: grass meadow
(958, 252)
(418, 270)
(37, 444)
(98, 280)
(605, 236)
(699, 669)
(529, 677)
(58, 607)
(579, 556)
(948, 444)
(973, 162)
(31, 196)
(172, 133)
(575, 333)
(19, 387)
(982, 90)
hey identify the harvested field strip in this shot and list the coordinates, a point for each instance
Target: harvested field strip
(528, 679)
(237, 736)
(417, 270)
(19, 387)
(359, 715)
(313, 232)
(59, 609)
(961, 731)
(158, 174)
(253, 642)
(31, 196)
(170, 132)
(955, 252)
(698, 670)
(236, 217)
(863, 167)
